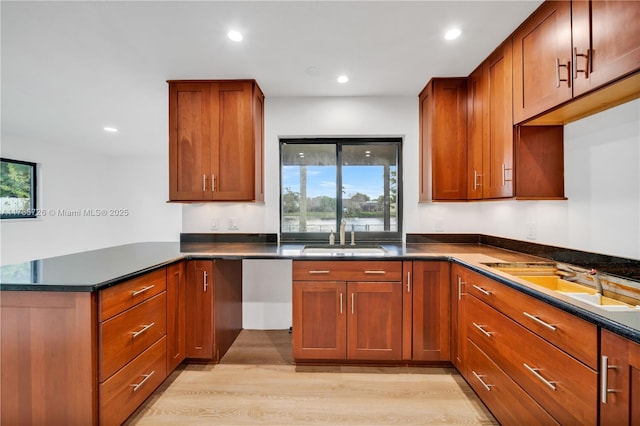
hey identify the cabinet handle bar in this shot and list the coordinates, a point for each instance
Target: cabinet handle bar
(135, 334)
(375, 272)
(482, 290)
(146, 377)
(480, 327)
(142, 290)
(479, 377)
(319, 272)
(551, 385)
(408, 282)
(340, 303)
(539, 321)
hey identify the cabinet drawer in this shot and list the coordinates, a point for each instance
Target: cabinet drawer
(125, 336)
(121, 297)
(506, 400)
(573, 335)
(128, 388)
(347, 270)
(562, 385)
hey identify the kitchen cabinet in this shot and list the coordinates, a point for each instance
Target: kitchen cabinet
(214, 299)
(606, 42)
(132, 345)
(443, 140)
(458, 324)
(620, 380)
(176, 315)
(540, 162)
(475, 104)
(542, 60)
(347, 310)
(431, 311)
(216, 141)
(547, 353)
(497, 138)
(565, 50)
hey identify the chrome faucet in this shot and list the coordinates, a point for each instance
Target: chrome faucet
(596, 281)
(343, 227)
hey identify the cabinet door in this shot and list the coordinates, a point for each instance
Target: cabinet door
(542, 60)
(199, 317)
(189, 136)
(374, 324)
(474, 134)
(176, 315)
(232, 143)
(319, 320)
(443, 140)
(497, 170)
(431, 311)
(606, 41)
(458, 325)
(615, 374)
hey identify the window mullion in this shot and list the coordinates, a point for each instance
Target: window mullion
(338, 185)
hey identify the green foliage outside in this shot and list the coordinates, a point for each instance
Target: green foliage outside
(15, 180)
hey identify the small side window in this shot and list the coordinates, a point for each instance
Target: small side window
(17, 189)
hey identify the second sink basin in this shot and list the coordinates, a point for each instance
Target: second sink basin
(602, 302)
(556, 283)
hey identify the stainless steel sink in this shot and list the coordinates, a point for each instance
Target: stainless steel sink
(362, 250)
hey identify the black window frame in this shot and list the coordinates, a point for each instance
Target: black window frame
(32, 211)
(323, 237)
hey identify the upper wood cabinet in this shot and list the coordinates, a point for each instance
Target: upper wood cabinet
(215, 141)
(606, 41)
(497, 124)
(550, 69)
(443, 140)
(475, 104)
(542, 60)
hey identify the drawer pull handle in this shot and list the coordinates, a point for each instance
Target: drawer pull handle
(551, 385)
(482, 382)
(479, 327)
(146, 377)
(375, 272)
(539, 321)
(319, 272)
(135, 334)
(460, 284)
(604, 378)
(142, 290)
(482, 290)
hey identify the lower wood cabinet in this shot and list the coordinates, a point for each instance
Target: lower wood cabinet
(371, 311)
(176, 315)
(338, 319)
(508, 402)
(213, 297)
(431, 311)
(620, 380)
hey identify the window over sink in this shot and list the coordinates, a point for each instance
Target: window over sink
(326, 180)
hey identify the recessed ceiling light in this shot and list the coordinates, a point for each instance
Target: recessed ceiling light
(111, 129)
(452, 34)
(343, 79)
(234, 35)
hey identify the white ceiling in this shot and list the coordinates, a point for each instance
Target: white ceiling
(71, 68)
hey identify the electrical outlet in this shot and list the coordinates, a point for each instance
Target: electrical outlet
(214, 224)
(232, 223)
(531, 231)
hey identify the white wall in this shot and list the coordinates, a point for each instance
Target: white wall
(70, 179)
(602, 213)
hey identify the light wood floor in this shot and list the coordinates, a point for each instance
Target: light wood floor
(256, 383)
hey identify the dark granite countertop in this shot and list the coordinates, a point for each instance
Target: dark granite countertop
(98, 269)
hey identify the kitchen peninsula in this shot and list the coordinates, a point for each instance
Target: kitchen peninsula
(63, 314)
